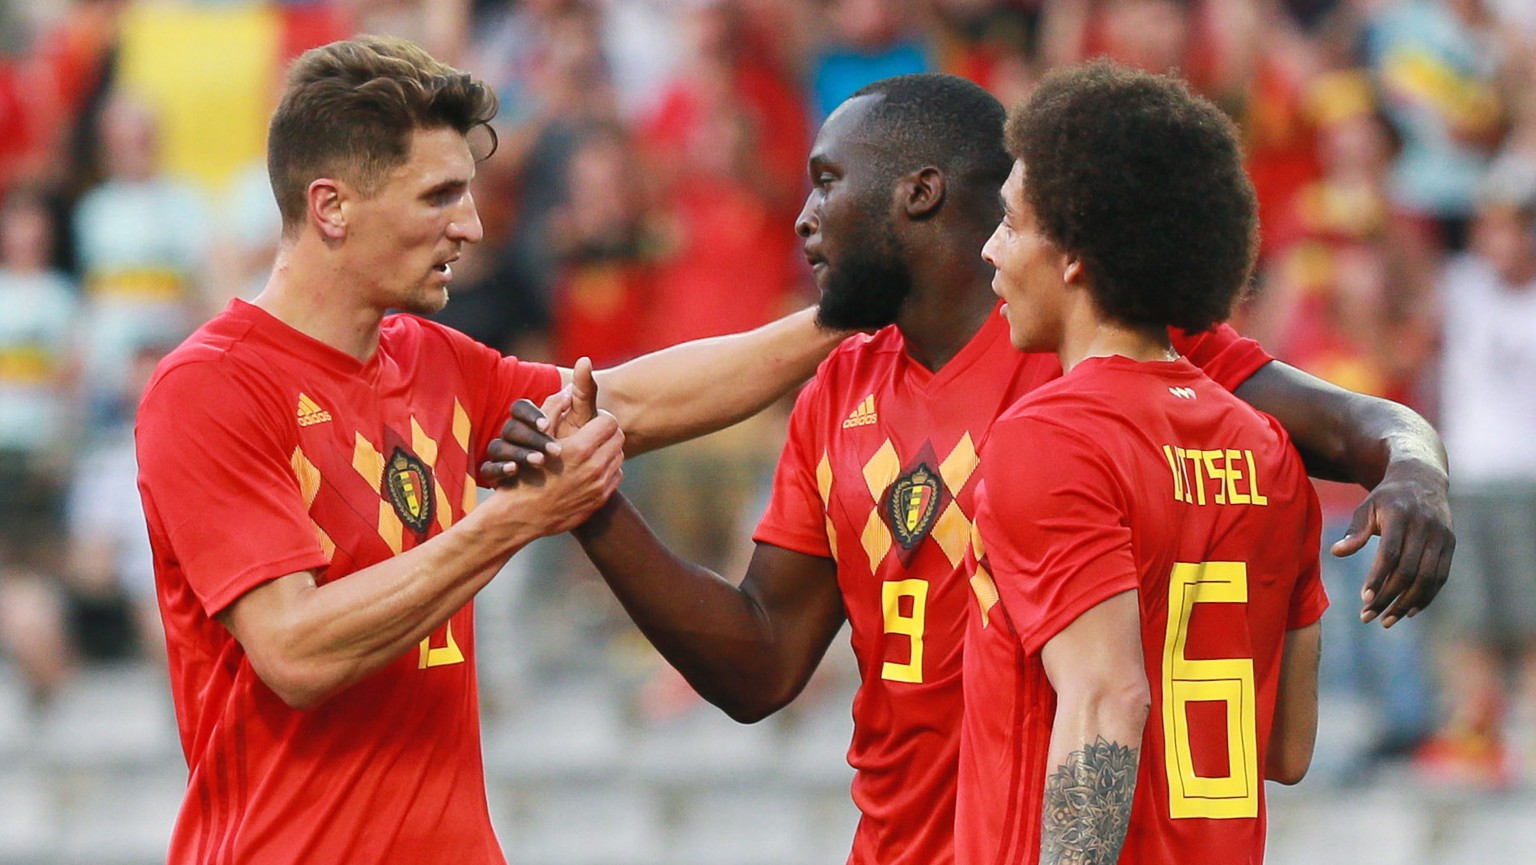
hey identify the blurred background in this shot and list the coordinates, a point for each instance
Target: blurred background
(651, 165)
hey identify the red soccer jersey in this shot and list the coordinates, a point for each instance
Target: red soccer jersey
(879, 472)
(262, 453)
(1158, 480)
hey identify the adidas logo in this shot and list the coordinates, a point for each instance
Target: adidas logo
(1182, 392)
(311, 413)
(863, 415)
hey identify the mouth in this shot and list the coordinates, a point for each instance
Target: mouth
(444, 267)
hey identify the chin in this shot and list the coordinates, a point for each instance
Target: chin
(426, 303)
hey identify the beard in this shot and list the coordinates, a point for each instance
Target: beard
(866, 288)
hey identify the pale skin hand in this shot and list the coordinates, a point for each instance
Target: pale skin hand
(308, 641)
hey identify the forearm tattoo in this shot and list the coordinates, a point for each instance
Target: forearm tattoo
(1088, 806)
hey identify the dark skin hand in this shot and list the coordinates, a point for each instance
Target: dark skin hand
(1339, 434)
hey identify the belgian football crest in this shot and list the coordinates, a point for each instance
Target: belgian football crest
(913, 504)
(409, 484)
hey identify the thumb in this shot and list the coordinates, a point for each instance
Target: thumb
(584, 392)
(1361, 527)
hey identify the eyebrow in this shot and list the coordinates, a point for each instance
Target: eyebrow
(447, 186)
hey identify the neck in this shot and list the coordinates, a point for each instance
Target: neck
(311, 294)
(951, 299)
(1097, 336)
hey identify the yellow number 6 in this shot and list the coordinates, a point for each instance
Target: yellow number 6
(1225, 680)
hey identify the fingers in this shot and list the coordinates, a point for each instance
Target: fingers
(1411, 564)
(556, 410)
(522, 445)
(1389, 553)
(491, 473)
(527, 413)
(1361, 527)
(1398, 588)
(1430, 570)
(583, 392)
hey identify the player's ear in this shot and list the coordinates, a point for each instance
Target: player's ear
(326, 198)
(920, 193)
(1073, 272)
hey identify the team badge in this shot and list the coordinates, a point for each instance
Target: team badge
(913, 505)
(409, 484)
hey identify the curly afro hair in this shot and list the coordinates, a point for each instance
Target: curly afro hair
(1144, 182)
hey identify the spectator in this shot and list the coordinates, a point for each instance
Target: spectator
(142, 243)
(37, 356)
(1434, 63)
(1489, 621)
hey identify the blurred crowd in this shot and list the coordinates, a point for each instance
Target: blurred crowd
(649, 170)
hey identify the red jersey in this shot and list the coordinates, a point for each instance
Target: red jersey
(1160, 481)
(879, 473)
(262, 453)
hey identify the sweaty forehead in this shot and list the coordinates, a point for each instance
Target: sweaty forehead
(849, 131)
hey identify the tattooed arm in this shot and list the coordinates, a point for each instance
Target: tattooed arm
(1102, 700)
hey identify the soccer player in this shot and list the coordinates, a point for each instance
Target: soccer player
(1165, 556)
(871, 511)
(307, 476)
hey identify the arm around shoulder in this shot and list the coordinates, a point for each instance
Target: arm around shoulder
(1390, 450)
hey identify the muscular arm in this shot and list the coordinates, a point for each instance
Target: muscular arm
(1102, 700)
(748, 649)
(308, 641)
(1295, 731)
(1391, 451)
(698, 387)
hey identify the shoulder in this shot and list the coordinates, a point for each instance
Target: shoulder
(216, 365)
(412, 339)
(862, 351)
(1088, 390)
(855, 363)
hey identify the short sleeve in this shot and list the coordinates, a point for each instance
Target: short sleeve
(215, 471)
(1224, 355)
(1308, 598)
(1055, 531)
(796, 518)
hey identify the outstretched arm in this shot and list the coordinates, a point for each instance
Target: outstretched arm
(1391, 451)
(698, 387)
(1102, 701)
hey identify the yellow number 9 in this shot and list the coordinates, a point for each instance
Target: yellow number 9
(910, 626)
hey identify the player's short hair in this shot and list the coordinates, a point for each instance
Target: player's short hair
(349, 111)
(1143, 181)
(940, 120)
